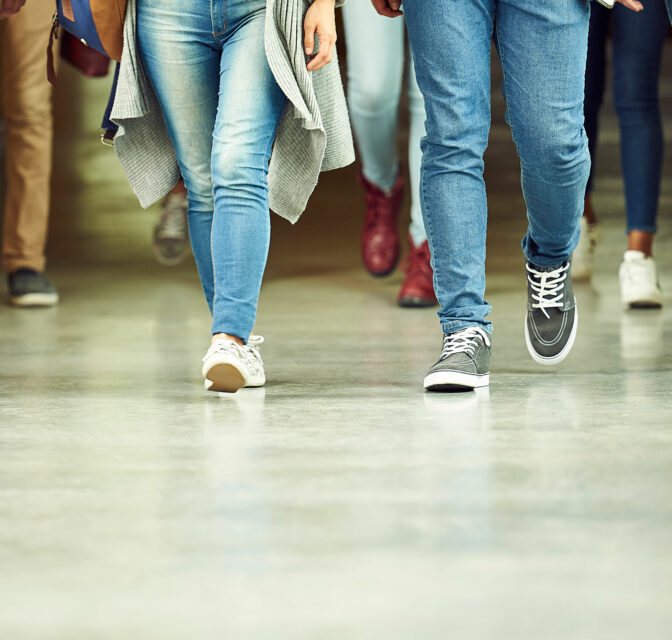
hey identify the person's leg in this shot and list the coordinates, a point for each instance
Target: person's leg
(375, 72)
(250, 107)
(417, 288)
(416, 132)
(638, 50)
(182, 58)
(596, 68)
(170, 236)
(28, 112)
(542, 45)
(451, 48)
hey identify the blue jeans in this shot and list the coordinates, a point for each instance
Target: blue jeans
(375, 76)
(542, 48)
(207, 65)
(637, 43)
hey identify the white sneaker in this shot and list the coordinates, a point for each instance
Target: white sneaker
(584, 254)
(227, 366)
(171, 234)
(639, 281)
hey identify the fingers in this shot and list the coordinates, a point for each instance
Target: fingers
(326, 52)
(389, 8)
(10, 7)
(635, 5)
(309, 37)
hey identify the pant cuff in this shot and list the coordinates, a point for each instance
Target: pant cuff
(14, 264)
(457, 325)
(643, 229)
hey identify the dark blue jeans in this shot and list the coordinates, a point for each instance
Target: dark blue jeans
(637, 42)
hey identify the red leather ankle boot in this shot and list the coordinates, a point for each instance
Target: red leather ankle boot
(417, 289)
(380, 238)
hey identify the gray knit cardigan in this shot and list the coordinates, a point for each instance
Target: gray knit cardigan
(313, 135)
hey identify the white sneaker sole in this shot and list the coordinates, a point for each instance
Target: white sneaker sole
(557, 359)
(652, 301)
(224, 377)
(35, 300)
(455, 381)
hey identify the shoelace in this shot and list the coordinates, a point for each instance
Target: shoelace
(173, 222)
(547, 287)
(223, 345)
(252, 349)
(464, 341)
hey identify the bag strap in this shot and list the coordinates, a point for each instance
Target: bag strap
(51, 68)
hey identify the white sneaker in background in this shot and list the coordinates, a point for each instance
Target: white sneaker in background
(171, 233)
(639, 281)
(227, 366)
(584, 254)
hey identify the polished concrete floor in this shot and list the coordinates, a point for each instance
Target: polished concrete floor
(340, 502)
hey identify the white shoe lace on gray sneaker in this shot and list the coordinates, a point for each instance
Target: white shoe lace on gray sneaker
(547, 287)
(228, 366)
(465, 341)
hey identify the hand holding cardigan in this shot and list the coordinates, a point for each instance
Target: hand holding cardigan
(321, 20)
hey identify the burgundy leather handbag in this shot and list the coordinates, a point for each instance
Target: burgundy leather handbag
(90, 62)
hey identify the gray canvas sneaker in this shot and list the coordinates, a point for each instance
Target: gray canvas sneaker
(552, 317)
(464, 362)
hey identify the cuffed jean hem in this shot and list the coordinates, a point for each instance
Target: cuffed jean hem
(653, 229)
(232, 330)
(538, 261)
(458, 325)
(10, 265)
(534, 257)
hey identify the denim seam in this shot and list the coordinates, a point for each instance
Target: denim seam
(217, 34)
(505, 91)
(267, 148)
(428, 224)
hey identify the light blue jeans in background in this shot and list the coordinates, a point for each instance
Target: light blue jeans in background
(376, 64)
(542, 47)
(207, 65)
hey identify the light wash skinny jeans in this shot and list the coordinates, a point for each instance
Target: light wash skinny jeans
(207, 65)
(542, 47)
(375, 76)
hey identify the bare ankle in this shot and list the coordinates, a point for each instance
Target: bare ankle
(226, 336)
(641, 241)
(588, 211)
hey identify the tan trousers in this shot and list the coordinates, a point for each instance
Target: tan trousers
(26, 95)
